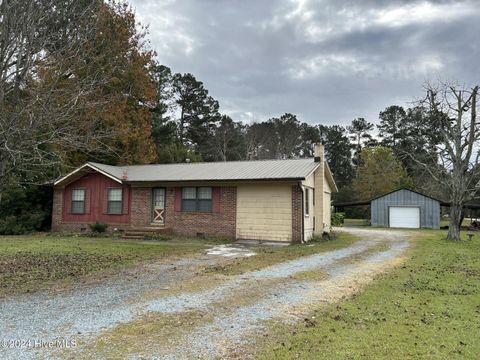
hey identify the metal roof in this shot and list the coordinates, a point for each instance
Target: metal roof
(297, 169)
(292, 169)
(368, 202)
(403, 188)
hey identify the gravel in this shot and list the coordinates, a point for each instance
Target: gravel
(86, 312)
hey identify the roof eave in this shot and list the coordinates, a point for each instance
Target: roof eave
(91, 166)
(330, 178)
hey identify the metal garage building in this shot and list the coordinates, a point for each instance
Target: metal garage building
(405, 208)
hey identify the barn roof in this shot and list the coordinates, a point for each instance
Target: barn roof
(291, 169)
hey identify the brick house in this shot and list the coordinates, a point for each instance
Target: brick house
(271, 200)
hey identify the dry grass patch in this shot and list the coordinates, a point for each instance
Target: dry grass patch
(153, 333)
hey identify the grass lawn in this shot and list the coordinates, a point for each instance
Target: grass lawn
(427, 308)
(29, 263)
(356, 222)
(34, 262)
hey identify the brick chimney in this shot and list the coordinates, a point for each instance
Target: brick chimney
(319, 152)
(319, 178)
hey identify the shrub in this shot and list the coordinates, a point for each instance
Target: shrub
(98, 227)
(25, 209)
(337, 219)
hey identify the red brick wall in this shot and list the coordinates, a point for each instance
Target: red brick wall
(222, 223)
(296, 214)
(141, 213)
(57, 208)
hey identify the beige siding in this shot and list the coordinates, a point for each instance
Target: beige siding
(326, 187)
(309, 183)
(327, 209)
(264, 212)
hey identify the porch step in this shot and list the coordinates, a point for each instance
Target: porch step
(139, 233)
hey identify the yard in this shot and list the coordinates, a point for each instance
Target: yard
(30, 263)
(427, 308)
(369, 293)
(42, 261)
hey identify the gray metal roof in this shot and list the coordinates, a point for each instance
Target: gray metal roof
(297, 169)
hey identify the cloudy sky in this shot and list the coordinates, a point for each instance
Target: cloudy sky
(325, 61)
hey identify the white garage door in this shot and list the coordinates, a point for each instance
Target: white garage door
(404, 217)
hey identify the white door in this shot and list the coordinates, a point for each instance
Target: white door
(158, 207)
(404, 217)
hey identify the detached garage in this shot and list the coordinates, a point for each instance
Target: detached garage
(405, 208)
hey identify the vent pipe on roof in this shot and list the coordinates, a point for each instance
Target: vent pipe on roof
(319, 153)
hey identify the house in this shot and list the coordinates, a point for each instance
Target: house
(271, 200)
(405, 208)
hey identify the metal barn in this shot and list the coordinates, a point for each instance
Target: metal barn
(405, 208)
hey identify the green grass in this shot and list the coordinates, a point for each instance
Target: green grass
(355, 222)
(446, 222)
(30, 263)
(427, 308)
(268, 255)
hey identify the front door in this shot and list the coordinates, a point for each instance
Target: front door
(158, 206)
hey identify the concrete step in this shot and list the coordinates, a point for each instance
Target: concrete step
(139, 233)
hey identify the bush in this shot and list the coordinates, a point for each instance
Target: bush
(18, 225)
(337, 219)
(25, 209)
(98, 227)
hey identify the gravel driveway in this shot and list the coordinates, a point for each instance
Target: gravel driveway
(87, 314)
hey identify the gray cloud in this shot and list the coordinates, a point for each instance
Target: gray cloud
(326, 61)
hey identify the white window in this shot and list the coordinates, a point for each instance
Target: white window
(307, 201)
(78, 201)
(197, 199)
(115, 203)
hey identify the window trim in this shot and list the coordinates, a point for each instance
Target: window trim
(78, 201)
(307, 201)
(109, 212)
(197, 200)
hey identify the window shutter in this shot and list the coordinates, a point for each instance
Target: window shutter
(125, 199)
(67, 200)
(216, 199)
(87, 201)
(105, 201)
(178, 199)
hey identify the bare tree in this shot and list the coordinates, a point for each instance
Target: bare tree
(453, 111)
(41, 95)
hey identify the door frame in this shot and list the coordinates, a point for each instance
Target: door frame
(152, 213)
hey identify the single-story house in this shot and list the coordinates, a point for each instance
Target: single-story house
(271, 200)
(405, 208)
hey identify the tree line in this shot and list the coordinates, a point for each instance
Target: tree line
(79, 81)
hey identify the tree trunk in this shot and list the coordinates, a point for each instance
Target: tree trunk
(455, 219)
(180, 127)
(462, 217)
